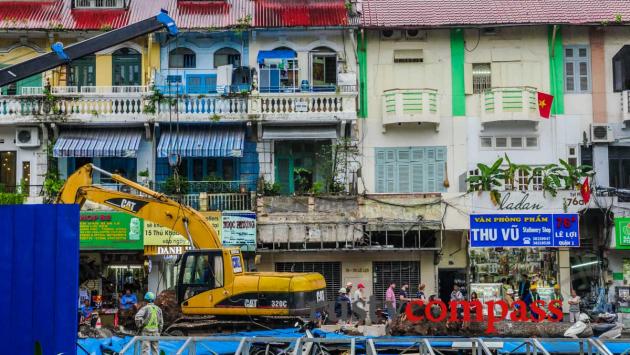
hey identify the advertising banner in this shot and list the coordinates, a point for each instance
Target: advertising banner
(156, 235)
(110, 230)
(524, 230)
(239, 229)
(622, 232)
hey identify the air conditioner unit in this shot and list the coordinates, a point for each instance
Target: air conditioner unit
(416, 35)
(27, 137)
(601, 133)
(390, 35)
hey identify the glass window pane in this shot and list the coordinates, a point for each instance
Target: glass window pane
(568, 52)
(569, 69)
(582, 52)
(583, 83)
(501, 142)
(532, 142)
(570, 84)
(583, 68)
(486, 142)
(516, 142)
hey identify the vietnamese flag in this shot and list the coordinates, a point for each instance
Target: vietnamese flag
(544, 104)
(585, 190)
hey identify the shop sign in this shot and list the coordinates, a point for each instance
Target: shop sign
(622, 232)
(156, 235)
(110, 230)
(239, 229)
(165, 250)
(566, 201)
(524, 230)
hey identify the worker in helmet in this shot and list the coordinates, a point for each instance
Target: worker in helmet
(533, 290)
(149, 320)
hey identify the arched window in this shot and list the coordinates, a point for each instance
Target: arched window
(226, 56)
(126, 63)
(621, 69)
(182, 58)
(323, 68)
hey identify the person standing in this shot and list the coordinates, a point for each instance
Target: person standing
(404, 297)
(149, 319)
(574, 307)
(342, 301)
(349, 289)
(358, 302)
(420, 295)
(390, 301)
(523, 292)
(457, 296)
(128, 300)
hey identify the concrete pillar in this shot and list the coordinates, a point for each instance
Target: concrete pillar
(564, 279)
(428, 271)
(598, 75)
(600, 164)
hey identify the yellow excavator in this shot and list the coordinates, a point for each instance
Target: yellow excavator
(212, 287)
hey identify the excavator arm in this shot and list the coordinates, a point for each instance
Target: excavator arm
(150, 205)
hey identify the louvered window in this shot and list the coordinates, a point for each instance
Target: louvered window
(330, 270)
(410, 169)
(385, 272)
(577, 68)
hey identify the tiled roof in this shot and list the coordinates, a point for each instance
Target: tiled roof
(58, 14)
(429, 13)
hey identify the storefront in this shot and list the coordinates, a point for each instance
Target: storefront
(619, 266)
(524, 233)
(111, 259)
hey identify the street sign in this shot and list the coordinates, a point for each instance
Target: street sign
(524, 230)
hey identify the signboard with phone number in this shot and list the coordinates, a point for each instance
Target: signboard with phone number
(524, 230)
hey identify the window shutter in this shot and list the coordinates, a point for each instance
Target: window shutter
(439, 176)
(417, 177)
(440, 154)
(380, 170)
(417, 154)
(430, 177)
(403, 177)
(390, 177)
(431, 154)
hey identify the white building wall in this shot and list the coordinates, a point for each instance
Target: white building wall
(24, 154)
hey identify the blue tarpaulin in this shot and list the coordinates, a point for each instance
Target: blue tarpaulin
(275, 54)
(40, 273)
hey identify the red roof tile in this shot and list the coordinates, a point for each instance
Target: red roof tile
(428, 13)
(58, 14)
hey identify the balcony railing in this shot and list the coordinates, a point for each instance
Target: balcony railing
(100, 4)
(410, 106)
(306, 104)
(509, 104)
(217, 201)
(625, 105)
(195, 187)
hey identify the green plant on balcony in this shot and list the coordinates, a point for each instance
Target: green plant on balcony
(268, 188)
(302, 180)
(50, 102)
(552, 177)
(336, 160)
(511, 171)
(176, 185)
(215, 118)
(489, 179)
(106, 27)
(153, 101)
(144, 173)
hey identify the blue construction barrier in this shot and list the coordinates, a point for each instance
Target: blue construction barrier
(39, 255)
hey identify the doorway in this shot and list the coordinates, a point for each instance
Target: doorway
(449, 278)
(126, 67)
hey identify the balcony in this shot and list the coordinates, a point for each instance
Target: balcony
(117, 104)
(306, 103)
(410, 106)
(509, 104)
(625, 106)
(214, 195)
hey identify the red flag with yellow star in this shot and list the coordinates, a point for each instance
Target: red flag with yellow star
(544, 104)
(585, 190)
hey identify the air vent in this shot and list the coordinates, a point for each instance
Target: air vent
(416, 35)
(390, 35)
(601, 133)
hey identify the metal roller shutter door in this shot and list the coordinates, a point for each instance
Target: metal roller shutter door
(386, 272)
(330, 270)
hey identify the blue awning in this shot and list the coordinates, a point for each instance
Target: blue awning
(204, 141)
(98, 142)
(276, 54)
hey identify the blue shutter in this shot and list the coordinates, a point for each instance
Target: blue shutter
(390, 177)
(430, 186)
(380, 170)
(417, 177)
(403, 156)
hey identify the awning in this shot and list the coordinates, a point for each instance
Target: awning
(298, 133)
(203, 142)
(275, 54)
(98, 142)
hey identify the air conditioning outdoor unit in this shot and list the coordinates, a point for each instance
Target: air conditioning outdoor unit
(27, 137)
(601, 133)
(416, 35)
(390, 35)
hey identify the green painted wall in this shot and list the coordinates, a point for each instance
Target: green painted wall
(556, 71)
(362, 54)
(457, 72)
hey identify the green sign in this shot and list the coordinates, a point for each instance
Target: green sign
(622, 232)
(111, 230)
